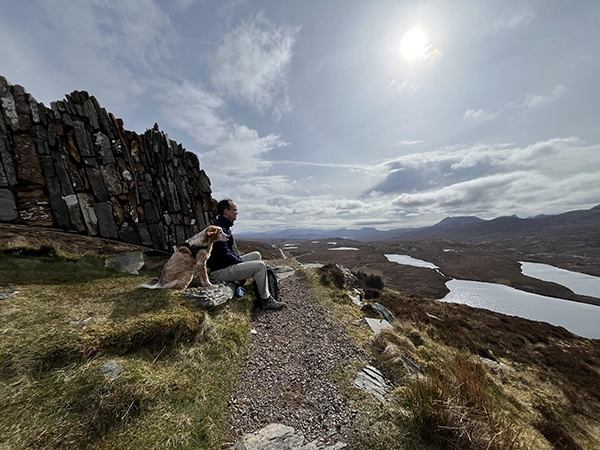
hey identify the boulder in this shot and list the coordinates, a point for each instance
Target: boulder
(129, 262)
(211, 297)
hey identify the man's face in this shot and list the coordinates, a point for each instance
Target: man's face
(231, 212)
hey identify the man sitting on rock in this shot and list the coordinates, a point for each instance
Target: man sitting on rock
(226, 264)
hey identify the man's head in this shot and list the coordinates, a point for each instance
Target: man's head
(227, 209)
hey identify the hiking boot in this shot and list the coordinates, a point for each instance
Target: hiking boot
(271, 303)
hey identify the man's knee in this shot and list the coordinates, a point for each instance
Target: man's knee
(252, 256)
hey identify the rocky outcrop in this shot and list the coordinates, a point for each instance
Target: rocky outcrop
(74, 167)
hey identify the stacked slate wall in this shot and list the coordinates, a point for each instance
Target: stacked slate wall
(74, 167)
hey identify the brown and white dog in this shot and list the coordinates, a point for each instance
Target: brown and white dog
(189, 261)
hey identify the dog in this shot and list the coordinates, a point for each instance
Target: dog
(189, 261)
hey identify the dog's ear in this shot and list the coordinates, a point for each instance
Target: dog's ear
(212, 231)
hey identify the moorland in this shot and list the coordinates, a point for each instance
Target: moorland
(463, 377)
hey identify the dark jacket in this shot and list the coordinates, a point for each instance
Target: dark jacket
(224, 253)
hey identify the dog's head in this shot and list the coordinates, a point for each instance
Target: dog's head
(215, 233)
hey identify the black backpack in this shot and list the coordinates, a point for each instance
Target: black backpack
(272, 282)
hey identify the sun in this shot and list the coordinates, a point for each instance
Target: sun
(414, 44)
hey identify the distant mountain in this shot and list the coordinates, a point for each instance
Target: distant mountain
(573, 232)
(582, 226)
(308, 234)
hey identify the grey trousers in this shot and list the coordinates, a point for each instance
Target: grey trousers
(252, 267)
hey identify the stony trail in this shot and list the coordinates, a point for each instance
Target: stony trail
(286, 376)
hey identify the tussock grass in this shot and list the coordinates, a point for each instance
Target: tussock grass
(445, 397)
(71, 316)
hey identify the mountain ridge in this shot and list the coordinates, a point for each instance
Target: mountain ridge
(460, 228)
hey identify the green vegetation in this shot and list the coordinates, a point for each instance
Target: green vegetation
(369, 280)
(179, 361)
(67, 316)
(534, 390)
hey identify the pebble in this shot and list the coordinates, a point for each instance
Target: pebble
(286, 378)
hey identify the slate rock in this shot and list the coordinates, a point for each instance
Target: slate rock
(371, 380)
(381, 310)
(129, 262)
(211, 297)
(283, 272)
(8, 206)
(106, 220)
(377, 324)
(276, 436)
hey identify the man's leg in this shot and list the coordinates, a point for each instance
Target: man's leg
(252, 256)
(256, 269)
(243, 270)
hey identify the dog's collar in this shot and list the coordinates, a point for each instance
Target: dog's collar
(194, 249)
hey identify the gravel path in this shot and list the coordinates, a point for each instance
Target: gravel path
(285, 379)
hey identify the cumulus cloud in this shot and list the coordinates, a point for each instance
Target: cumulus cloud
(497, 179)
(536, 100)
(252, 62)
(548, 176)
(479, 115)
(240, 153)
(191, 108)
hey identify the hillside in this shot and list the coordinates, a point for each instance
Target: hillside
(569, 233)
(89, 361)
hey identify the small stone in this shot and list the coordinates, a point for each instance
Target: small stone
(81, 323)
(112, 369)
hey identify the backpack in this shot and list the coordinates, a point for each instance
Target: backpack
(272, 282)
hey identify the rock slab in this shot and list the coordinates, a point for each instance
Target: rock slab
(276, 436)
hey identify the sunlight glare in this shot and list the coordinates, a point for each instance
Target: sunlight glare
(413, 44)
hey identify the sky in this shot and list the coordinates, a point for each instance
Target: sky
(337, 113)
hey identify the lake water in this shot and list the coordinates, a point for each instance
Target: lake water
(580, 283)
(410, 261)
(579, 318)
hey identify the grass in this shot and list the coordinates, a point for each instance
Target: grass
(68, 316)
(180, 362)
(543, 398)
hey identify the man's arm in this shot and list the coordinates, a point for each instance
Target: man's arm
(222, 256)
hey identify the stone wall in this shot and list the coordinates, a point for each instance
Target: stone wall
(74, 167)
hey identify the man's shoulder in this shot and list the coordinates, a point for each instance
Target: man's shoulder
(223, 222)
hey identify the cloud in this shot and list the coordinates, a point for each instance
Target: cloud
(497, 179)
(405, 143)
(127, 31)
(521, 18)
(191, 108)
(532, 101)
(407, 85)
(240, 153)
(234, 149)
(548, 176)
(536, 100)
(251, 64)
(479, 115)
(105, 48)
